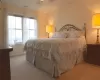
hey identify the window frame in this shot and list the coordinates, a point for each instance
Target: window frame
(35, 29)
(22, 29)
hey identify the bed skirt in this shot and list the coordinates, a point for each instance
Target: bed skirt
(42, 64)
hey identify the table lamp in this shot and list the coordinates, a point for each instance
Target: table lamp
(96, 24)
(49, 29)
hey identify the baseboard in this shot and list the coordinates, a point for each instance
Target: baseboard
(17, 55)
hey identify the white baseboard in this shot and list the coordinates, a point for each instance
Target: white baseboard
(16, 55)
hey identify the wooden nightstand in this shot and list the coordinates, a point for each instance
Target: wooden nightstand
(93, 53)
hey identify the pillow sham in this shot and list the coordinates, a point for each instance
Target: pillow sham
(60, 35)
(75, 34)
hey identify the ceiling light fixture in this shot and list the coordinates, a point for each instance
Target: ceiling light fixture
(42, 0)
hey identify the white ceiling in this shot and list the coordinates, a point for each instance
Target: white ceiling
(33, 4)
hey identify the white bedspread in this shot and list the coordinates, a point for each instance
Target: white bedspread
(63, 52)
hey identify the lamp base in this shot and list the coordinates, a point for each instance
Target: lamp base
(97, 42)
(48, 35)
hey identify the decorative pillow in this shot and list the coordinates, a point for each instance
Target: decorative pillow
(75, 34)
(60, 35)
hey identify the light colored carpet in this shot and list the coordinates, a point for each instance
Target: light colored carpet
(82, 71)
(22, 70)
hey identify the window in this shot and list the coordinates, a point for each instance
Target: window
(21, 29)
(29, 29)
(14, 29)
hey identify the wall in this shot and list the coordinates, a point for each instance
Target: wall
(40, 15)
(93, 7)
(1, 26)
(70, 12)
(42, 22)
(77, 12)
(46, 15)
(12, 9)
(73, 12)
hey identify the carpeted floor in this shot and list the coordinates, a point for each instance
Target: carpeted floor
(22, 70)
(82, 71)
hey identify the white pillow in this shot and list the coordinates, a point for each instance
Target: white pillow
(75, 34)
(60, 35)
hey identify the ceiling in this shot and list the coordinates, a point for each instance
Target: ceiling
(33, 4)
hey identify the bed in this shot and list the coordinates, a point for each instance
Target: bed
(57, 55)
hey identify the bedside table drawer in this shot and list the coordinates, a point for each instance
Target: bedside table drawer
(93, 54)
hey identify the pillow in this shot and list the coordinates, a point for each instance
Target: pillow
(75, 34)
(60, 35)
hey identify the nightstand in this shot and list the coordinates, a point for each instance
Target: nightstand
(93, 54)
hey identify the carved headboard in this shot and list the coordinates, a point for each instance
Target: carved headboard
(70, 27)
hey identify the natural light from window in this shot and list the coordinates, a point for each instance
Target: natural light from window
(21, 29)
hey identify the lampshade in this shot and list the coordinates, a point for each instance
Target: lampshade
(49, 28)
(96, 20)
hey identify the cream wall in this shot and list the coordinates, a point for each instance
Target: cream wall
(77, 12)
(46, 16)
(40, 15)
(42, 22)
(73, 12)
(1, 27)
(93, 7)
(12, 9)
